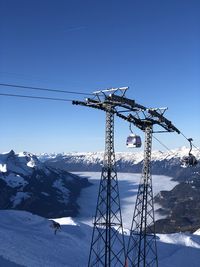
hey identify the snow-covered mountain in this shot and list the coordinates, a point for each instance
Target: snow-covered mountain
(29, 241)
(26, 183)
(163, 163)
(134, 156)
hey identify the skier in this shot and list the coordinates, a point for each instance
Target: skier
(56, 226)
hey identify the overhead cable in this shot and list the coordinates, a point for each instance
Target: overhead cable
(37, 97)
(170, 151)
(162, 144)
(189, 141)
(44, 89)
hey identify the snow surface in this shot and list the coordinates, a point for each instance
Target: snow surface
(65, 221)
(197, 232)
(29, 240)
(3, 168)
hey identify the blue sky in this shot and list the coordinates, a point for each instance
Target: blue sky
(150, 46)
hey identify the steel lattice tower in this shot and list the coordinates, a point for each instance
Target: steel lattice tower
(142, 250)
(107, 246)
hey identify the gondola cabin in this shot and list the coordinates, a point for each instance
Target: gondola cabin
(189, 161)
(133, 141)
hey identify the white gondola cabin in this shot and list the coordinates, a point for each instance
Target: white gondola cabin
(133, 141)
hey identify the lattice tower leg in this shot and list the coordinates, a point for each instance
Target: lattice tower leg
(107, 246)
(142, 249)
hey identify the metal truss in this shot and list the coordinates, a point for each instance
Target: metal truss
(107, 246)
(142, 250)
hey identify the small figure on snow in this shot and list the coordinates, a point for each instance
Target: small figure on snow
(56, 226)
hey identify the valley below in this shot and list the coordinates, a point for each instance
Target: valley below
(128, 186)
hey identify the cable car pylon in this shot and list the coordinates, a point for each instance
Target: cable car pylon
(142, 249)
(107, 246)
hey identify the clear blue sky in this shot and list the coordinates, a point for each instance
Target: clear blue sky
(151, 46)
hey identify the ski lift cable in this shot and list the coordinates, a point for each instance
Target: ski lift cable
(173, 153)
(196, 147)
(66, 100)
(170, 152)
(162, 143)
(190, 141)
(44, 89)
(130, 128)
(37, 97)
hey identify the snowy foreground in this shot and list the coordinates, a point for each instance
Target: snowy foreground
(29, 240)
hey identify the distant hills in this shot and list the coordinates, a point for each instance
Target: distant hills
(163, 163)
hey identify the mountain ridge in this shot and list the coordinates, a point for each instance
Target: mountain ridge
(27, 184)
(162, 163)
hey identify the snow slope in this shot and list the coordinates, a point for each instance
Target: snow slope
(30, 241)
